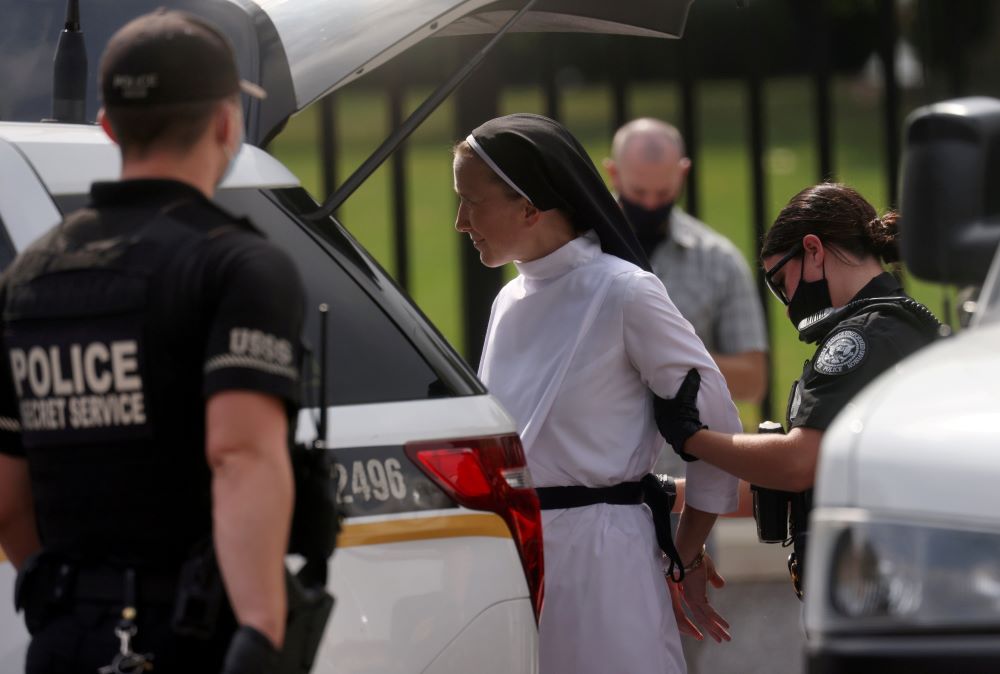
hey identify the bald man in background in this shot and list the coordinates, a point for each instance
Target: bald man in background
(706, 276)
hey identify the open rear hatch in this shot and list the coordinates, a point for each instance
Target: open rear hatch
(299, 50)
(329, 44)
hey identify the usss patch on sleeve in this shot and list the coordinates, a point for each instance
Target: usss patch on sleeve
(842, 352)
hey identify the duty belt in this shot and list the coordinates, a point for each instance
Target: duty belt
(657, 491)
(105, 584)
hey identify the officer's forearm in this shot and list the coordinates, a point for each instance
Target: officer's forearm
(252, 494)
(18, 533)
(785, 462)
(252, 507)
(692, 531)
(745, 374)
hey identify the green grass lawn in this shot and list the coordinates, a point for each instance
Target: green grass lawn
(723, 175)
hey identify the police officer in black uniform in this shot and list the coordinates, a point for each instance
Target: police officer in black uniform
(823, 260)
(150, 366)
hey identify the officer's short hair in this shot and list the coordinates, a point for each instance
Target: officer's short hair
(175, 125)
(162, 75)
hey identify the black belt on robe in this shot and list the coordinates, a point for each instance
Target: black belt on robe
(658, 492)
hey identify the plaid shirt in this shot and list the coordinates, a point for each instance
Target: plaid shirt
(710, 282)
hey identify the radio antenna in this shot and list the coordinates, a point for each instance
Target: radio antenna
(320, 442)
(69, 71)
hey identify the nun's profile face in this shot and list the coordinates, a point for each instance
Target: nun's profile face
(493, 219)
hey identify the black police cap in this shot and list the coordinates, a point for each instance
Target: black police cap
(169, 57)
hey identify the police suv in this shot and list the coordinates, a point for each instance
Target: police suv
(904, 555)
(439, 564)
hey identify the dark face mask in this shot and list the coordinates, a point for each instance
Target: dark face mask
(810, 297)
(650, 225)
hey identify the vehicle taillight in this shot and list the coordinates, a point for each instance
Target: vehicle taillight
(490, 474)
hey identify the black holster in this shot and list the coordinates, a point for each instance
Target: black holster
(201, 596)
(43, 589)
(783, 517)
(798, 525)
(659, 492)
(201, 610)
(316, 520)
(309, 610)
(771, 506)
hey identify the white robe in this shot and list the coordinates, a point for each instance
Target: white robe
(574, 344)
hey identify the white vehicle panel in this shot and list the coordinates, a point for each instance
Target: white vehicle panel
(493, 644)
(13, 634)
(25, 207)
(937, 415)
(400, 604)
(69, 157)
(409, 421)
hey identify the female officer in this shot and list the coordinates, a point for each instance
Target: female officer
(823, 260)
(574, 345)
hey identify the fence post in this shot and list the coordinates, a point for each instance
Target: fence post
(755, 105)
(820, 38)
(399, 201)
(549, 83)
(689, 124)
(887, 55)
(619, 89)
(956, 52)
(476, 101)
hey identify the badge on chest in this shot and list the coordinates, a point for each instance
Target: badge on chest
(842, 352)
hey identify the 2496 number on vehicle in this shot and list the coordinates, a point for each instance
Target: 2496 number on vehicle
(381, 480)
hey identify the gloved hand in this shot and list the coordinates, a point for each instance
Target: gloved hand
(677, 417)
(250, 652)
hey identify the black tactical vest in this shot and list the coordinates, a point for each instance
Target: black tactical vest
(111, 412)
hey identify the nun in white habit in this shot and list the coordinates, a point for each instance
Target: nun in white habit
(577, 346)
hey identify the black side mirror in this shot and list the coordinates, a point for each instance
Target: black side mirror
(950, 202)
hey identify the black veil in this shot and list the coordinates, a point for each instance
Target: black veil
(542, 161)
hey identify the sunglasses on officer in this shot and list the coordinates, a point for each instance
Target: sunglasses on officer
(777, 289)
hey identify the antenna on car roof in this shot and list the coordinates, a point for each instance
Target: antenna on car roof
(69, 71)
(320, 443)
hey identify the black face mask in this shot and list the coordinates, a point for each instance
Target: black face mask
(810, 298)
(650, 225)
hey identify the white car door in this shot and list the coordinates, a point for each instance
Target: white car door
(25, 206)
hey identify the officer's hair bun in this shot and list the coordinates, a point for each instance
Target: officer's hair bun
(884, 234)
(841, 218)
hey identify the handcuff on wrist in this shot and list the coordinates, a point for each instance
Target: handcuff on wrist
(696, 563)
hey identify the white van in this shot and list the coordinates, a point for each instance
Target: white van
(904, 554)
(432, 573)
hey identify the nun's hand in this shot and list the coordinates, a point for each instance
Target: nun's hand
(684, 624)
(677, 417)
(694, 593)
